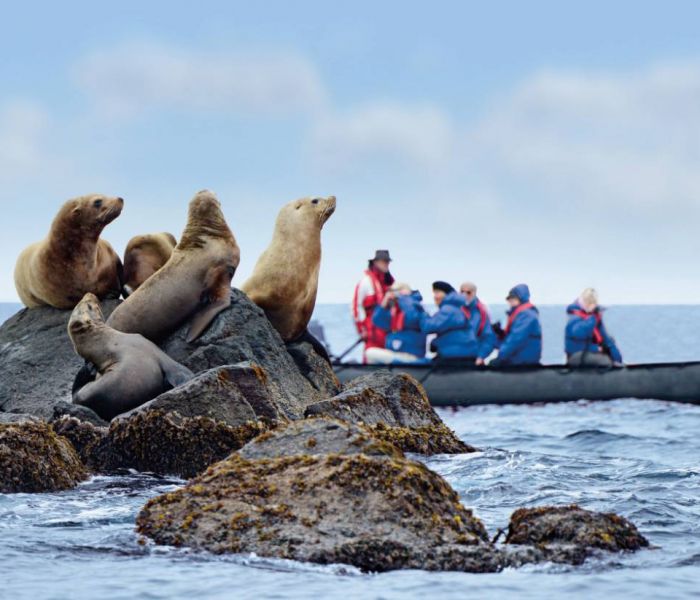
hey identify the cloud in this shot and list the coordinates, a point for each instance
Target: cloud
(410, 136)
(23, 127)
(134, 77)
(627, 140)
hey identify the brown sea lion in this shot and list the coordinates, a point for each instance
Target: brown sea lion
(195, 283)
(285, 279)
(144, 255)
(131, 369)
(72, 260)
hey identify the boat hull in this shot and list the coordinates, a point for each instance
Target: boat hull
(468, 386)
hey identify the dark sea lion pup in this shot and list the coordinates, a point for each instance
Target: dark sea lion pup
(131, 370)
(72, 260)
(194, 284)
(285, 279)
(144, 255)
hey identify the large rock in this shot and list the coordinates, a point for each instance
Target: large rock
(297, 494)
(234, 394)
(397, 407)
(39, 364)
(37, 360)
(549, 526)
(317, 436)
(242, 333)
(395, 399)
(157, 442)
(33, 458)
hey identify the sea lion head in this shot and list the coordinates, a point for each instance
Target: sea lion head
(205, 220)
(313, 209)
(92, 212)
(86, 316)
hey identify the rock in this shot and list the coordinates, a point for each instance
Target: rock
(242, 333)
(395, 399)
(428, 439)
(37, 360)
(316, 369)
(322, 435)
(89, 441)
(377, 511)
(234, 394)
(549, 526)
(33, 458)
(18, 418)
(398, 407)
(170, 444)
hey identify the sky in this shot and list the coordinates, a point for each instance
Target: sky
(502, 142)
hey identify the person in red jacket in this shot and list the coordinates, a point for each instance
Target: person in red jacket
(369, 293)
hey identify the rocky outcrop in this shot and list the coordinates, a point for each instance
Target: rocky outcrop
(233, 394)
(157, 442)
(317, 436)
(326, 491)
(550, 526)
(374, 509)
(37, 361)
(396, 405)
(316, 369)
(33, 458)
(242, 333)
(39, 364)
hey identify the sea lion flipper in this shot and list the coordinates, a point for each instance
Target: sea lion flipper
(175, 374)
(87, 374)
(316, 344)
(205, 315)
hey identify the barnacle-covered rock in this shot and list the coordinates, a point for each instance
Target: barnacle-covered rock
(324, 492)
(397, 406)
(557, 525)
(33, 458)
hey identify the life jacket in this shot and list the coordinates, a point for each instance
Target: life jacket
(371, 300)
(597, 335)
(482, 313)
(515, 313)
(398, 319)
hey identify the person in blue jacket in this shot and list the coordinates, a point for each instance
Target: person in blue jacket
(456, 340)
(587, 341)
(399, 315)
(480, 320)
(522, 338)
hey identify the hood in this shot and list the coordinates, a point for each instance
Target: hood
(573, 306)
(454, 299)
(576, 305)
(521, 292)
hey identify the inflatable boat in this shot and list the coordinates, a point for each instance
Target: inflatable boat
(450, 385)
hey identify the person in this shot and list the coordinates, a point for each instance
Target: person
(456, 340)
(587, 341)
(399, 316)
(522, 338)
(369, 293)
(480, 320)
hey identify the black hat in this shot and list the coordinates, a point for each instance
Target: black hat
(443, 286)
(382, 255)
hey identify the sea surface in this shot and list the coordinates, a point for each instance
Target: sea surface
(638, 458)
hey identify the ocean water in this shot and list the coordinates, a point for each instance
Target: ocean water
(637, 458)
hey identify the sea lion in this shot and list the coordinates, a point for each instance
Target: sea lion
(195, 282)
(144, 255)
(132, 370)
(285, 279)
(72, 260)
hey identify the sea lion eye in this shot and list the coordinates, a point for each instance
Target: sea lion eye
(97, 203)
(314, 201)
